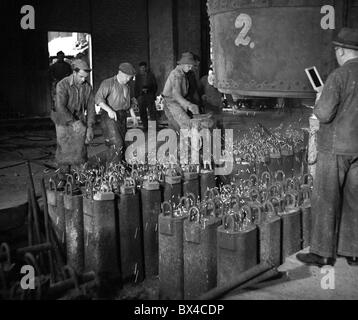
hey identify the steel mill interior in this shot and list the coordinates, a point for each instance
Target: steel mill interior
(179, 150)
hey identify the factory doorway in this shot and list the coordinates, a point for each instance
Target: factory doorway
(63, 48)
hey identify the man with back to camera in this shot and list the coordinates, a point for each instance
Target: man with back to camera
(59, 70)
(114, 98)
(74, 97)
(335, 193)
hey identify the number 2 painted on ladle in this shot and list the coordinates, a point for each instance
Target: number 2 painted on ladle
(243, 21)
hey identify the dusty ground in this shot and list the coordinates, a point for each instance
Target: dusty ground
(39, 147)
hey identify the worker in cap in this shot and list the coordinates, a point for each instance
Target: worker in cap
(74, 117)
(335, 190)
(114, 99)
(177, 107)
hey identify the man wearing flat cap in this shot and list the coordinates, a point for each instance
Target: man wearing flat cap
(335, 193)
(114, 98)
(74, 116)
(175, 92)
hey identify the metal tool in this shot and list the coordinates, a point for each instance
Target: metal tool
(130, 235)
(171, 259)
(291, 227)
(200, 252)
(237, 246)
(306, 194)
(151, 201)
(73, 205)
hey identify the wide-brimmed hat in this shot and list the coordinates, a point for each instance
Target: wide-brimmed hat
(187, 58)
(127, 68)
(347, 38)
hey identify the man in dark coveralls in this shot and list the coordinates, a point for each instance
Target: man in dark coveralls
(335, 193)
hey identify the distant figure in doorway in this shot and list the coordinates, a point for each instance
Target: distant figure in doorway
(145, 90)
(59, 70)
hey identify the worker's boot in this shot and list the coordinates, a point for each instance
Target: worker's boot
(352, 261)
(313, 259)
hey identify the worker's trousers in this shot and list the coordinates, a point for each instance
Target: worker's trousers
(114, 133)
(177, 116)
(147, 102)
(335, 206)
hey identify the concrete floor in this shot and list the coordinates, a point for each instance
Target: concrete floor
(15, 147)
(301, 282)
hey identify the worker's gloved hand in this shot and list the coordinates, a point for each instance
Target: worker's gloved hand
(112, 114)
(193, 108)
(77, 126)
(319, 93)
(89, 135)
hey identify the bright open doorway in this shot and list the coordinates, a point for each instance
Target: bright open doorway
(74, 45)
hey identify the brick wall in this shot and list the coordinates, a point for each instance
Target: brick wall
(161, 41)
(189, 29)
(353, 14)
(174, 27)
(119, 34)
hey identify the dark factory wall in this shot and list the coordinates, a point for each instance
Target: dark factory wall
(353, 15)
(188, 19)
(119, 33)
(161, 39)
(65, 15)
(176, 26)
(156, 31)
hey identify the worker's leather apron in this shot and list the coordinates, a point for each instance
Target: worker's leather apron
(71, 148)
